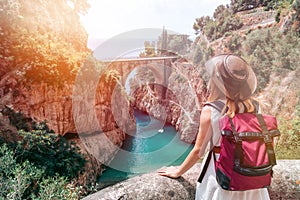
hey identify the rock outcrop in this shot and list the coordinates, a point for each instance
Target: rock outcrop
(182, 104)
(285, 185)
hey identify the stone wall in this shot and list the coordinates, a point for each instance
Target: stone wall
(285, 185)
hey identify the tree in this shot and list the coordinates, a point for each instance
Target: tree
(223, 21)
(234, 44)
(242, 5)
(220, 12)
(80, 6)
(178, 44)
(269, 51)
(200, 24)
(149, 49)
(42, 40)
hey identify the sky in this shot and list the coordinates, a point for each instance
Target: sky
(108, 18)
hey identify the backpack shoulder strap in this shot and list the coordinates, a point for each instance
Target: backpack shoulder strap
(256, 106)
(218, 105)
(200, 179)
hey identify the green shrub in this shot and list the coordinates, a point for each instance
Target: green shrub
(56, 188)
(25, 180)
(50, 151)
(268, 50)
(39, 166)
(42, 147)
(288, 146)
(17, 119)
(16, 179)
(234, 43)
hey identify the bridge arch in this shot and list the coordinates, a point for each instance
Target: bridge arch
(159, 66)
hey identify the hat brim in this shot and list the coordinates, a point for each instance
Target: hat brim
(245, 92)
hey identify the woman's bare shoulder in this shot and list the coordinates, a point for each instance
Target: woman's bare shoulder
(205, 114)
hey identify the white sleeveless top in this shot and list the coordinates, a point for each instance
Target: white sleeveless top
(209, 189)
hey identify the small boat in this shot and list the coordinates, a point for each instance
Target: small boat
(161, 130)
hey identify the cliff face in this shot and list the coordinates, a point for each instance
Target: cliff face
(181, 107)
(55, 105)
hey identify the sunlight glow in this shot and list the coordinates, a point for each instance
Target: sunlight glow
(109, 18)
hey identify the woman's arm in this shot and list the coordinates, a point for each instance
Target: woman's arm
(198, 151)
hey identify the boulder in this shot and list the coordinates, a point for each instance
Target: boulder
(286, 180)
(285, 185)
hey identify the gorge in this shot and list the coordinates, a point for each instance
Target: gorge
(42, 50)
(60, 107)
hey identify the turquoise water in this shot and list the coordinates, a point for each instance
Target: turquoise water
(153, 146)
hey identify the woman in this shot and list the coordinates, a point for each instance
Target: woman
(232, 81)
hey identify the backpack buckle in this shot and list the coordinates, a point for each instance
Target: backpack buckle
(268, 139)
(238, 139)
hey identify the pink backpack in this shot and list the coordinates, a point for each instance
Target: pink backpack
(246, 151)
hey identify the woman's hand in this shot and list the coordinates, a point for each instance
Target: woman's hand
(172, 172)
(203, 137)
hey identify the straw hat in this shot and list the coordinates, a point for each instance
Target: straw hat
(234, 77)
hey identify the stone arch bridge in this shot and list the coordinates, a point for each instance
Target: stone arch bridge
(161, 67)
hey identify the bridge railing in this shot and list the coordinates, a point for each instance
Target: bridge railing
(137, 59)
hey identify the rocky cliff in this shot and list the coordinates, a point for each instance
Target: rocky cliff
(182, 104)
(55, 105)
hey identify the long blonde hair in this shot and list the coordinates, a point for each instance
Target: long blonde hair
(241, 106)
(231, 107)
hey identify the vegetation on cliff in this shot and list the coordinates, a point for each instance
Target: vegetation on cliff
(26, 181)
(223, 21)
(42, 40)
(41, 164)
